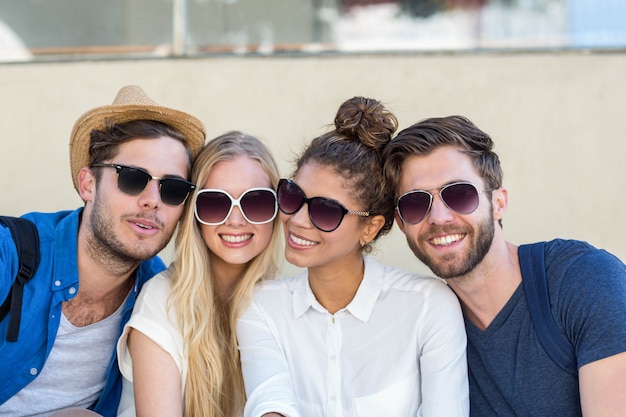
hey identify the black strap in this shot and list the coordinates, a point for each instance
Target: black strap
(26, 240)
(556, 344)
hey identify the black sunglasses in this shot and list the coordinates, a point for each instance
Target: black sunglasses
(257, 205)
(325, 214)
(461, 197)
(133, 180)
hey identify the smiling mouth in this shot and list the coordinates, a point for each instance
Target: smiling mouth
(301, 242)
(446, 240)
(236, 239)
(144, 226)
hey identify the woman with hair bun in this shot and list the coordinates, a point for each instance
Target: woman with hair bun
(348, 336)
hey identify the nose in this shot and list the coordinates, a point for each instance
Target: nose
(439, 213)
(150, 197)
(300, 218)
(236, 217)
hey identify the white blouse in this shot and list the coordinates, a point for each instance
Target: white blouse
(397, 350)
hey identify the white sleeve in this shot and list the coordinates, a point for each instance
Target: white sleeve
(443, 359)
(151, 317)
(265, 369)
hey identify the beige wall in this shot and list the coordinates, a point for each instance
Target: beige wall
(558, 120)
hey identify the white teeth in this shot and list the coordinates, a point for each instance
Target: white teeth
(143, 226)
(236, 239)
(446, 240)
(301, 242)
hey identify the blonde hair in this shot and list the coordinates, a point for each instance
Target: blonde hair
(214, 385)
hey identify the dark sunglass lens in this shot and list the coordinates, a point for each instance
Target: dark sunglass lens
(174, 191)
(462, 198)
(212, 206)
(259, 205)
(413, 207)
(131, 180)
(325, 214)
(290, 197)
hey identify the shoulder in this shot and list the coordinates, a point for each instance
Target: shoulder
(148, 269)
(587, 289)
(60, 228)
(402, 280)
(576, 269)
(158, 287)
(159, 283)
(287, 284)
(419, 290)
(152, 301)
(579, 259)
(566, 252)
(47, 223)
(279, 295)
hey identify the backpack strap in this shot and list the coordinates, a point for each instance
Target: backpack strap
(556, 344)
(26, 240)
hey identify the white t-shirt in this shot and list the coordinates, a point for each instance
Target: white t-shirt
(397, 350)
(152, 318)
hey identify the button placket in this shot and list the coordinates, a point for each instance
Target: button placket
(333, 376)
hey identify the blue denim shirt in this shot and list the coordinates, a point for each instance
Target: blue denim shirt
(56, 281)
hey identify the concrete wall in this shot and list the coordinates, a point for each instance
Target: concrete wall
(558, 119)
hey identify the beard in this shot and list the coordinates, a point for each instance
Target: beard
(458, 264)
(106, 246)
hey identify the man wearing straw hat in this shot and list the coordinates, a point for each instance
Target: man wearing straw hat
(130, 163)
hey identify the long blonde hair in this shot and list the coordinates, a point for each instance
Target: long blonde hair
(214, 385)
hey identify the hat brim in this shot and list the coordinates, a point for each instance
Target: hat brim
(189, 126)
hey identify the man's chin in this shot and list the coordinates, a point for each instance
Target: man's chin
(448, 267)
(447, 272)
(144, 252)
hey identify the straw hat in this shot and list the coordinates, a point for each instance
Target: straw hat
(131, 103)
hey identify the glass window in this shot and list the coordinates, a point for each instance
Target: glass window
(75, 29)
(41, 29)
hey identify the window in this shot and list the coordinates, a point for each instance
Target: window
(78, 29)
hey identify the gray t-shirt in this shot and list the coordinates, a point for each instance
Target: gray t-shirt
(511, 374)
(75, 372)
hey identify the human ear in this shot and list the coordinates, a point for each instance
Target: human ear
(500, 202)
(86, 184)
(372, 227)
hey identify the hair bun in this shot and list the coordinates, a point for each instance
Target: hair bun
(367, 121)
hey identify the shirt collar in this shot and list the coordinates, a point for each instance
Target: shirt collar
(303, 297)
(361, 305)
(363, 302)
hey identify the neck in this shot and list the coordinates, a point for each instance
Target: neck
(484, 291)
(100, 272)
(226, 276)
(103, 287)
(335, 286)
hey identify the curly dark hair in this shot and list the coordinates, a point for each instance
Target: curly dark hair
(363, 127)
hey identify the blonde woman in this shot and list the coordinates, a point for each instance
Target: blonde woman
(178, 353)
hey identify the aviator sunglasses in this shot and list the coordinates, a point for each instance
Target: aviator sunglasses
(461, 197)
(257, 205)
(132, 181)
(325, 214)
